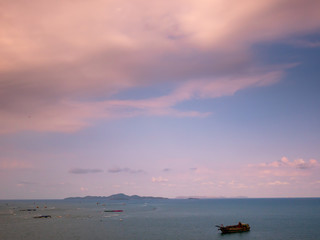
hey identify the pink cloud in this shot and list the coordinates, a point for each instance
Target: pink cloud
(62, 117)
(277, 183)
(54, 31)
(159, 179)
(9, 164)
(241, 180)
(284, 168)
(69, 116)
(57, 59)
(67, 32)
(285, 163)
(215, 24)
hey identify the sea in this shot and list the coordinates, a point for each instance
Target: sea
(171, 219)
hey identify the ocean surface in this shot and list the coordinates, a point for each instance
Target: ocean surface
(188, 219)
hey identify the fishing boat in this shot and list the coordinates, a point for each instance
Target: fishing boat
(241, 227)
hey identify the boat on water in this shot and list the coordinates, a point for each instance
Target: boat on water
(43, 216)
(113, 210)
(241, 227)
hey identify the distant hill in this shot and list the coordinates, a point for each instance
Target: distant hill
(119, 196)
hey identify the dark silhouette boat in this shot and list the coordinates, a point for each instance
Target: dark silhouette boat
(28, 210)
(113, 210)
(43, 216)
(241, 227)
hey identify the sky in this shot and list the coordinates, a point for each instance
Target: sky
(178, 98)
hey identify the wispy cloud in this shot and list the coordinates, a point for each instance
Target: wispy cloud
(8, 164)
(297, 168)
(277, 183)
(84, 189)
(237, 185)
(306, 43)
(75, 115)
(191, 90)
(159, 179)
(85, 170)
(25, 183)
(292, 175)
(125, 170)
(285, 162)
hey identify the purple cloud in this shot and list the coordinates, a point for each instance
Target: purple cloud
(126, 170)
(167, 170)
(85, 170)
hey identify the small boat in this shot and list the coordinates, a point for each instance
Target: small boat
(113, 210)
(241, 227)
(43, 216)
(28, 210)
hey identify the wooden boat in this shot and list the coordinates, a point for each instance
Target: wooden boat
(241, 227)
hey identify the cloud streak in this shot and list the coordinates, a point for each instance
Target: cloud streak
(277, 183)
(85, 170)
(125, 170)
(26, 183)
(159, 180)
(306, 43)
(284, 162)
(70, 115)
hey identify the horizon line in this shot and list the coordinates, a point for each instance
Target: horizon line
(168, 198)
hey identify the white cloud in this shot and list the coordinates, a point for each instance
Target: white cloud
(284, 162)
(84, 189)
(277, 183)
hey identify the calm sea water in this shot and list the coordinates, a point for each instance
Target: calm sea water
(270, 219)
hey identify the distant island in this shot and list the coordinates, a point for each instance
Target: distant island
(119, 196)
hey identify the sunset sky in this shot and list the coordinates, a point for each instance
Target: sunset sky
(165, 98)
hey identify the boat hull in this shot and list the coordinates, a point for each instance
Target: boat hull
(234, 228)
